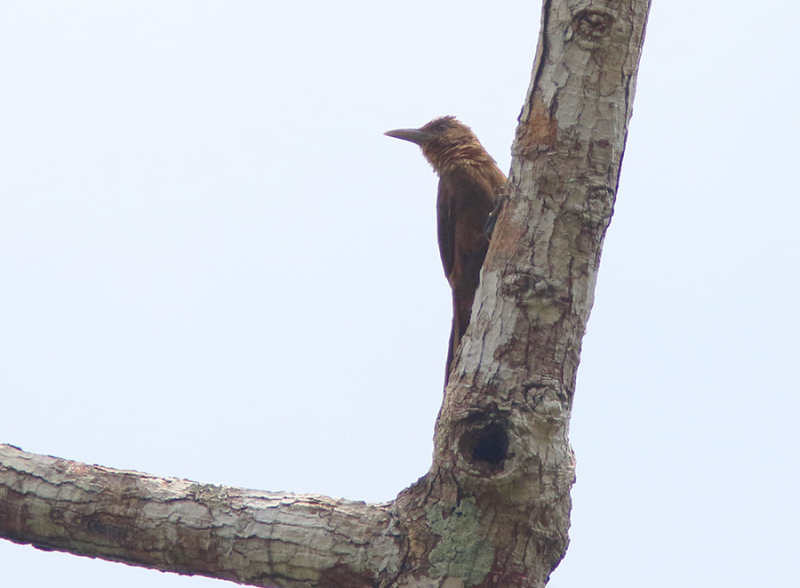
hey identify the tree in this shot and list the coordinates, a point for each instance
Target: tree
(494, 508)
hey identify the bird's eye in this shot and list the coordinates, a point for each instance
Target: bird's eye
(441, 127)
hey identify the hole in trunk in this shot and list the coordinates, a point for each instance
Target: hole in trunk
(486, 447)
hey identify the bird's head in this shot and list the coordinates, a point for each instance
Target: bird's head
(445, 141)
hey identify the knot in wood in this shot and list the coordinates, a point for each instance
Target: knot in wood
(545, 396)
(599, 206)
(544, 300)
(591, 26)
(518, 284)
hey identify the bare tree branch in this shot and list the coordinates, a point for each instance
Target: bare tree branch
(251, 537)
(493, 510)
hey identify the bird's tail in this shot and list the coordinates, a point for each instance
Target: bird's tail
(462, 308)
(451, 349)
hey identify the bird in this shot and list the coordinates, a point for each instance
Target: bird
(470, 188)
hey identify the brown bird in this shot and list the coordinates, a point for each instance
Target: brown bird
(469, 186)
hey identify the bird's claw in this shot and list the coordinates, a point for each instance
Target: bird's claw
(501, 193)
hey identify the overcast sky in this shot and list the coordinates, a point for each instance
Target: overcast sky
(213, 265)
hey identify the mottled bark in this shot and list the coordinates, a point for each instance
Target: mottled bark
(493, 510)
(501, 440)
(252, 537)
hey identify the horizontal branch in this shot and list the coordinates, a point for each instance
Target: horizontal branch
(248, 536)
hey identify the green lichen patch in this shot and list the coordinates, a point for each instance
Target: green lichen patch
(461, 552)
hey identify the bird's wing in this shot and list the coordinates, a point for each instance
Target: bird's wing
(445, 224)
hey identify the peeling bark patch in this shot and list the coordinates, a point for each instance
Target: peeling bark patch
(538, 133)
(14, 515)
(461, 551)
(544, 301)
(486, 447)
(591, 26)
(341, 575)
(106, 526)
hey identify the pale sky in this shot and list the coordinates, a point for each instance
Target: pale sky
(214, 266)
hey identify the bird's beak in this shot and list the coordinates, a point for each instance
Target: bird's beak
(417, 136)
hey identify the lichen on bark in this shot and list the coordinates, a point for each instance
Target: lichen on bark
(462, 551)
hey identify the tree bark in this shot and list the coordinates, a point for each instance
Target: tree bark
(251, 537)
(493, 510)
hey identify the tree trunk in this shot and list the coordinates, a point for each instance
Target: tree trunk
(494, 508)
